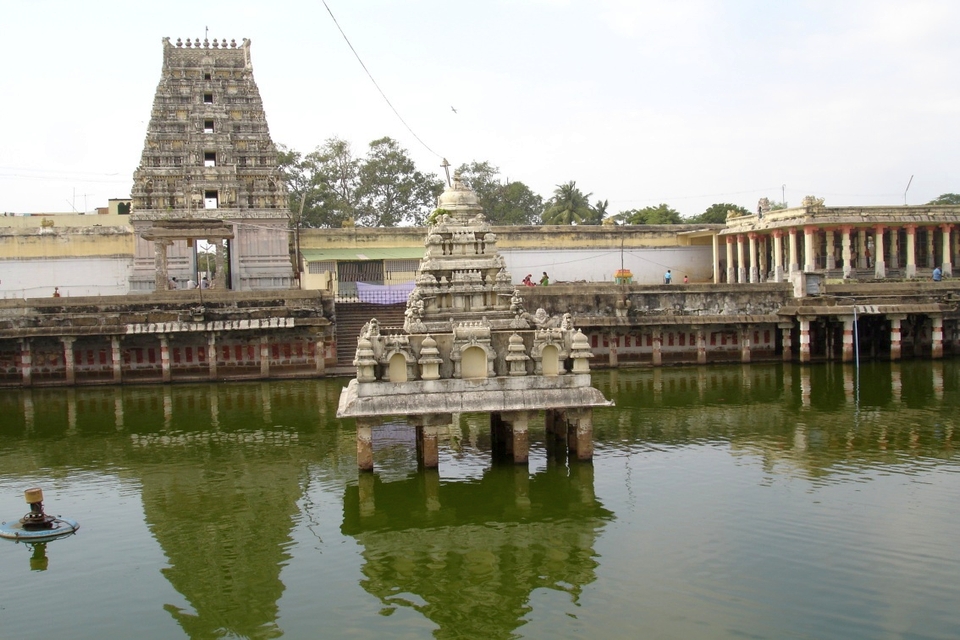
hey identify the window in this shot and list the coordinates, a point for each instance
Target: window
(206, 76)
(210, 199)
(209, 158)
(208, 126)
(208, 98)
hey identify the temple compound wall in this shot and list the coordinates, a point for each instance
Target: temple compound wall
(208, 156)
(83, 255)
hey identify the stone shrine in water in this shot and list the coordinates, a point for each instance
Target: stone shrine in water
(468, 345)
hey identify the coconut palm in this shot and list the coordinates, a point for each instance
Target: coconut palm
(569, 205)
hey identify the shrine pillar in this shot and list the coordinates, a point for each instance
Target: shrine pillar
(792, 246)
(754, 271)
(26, 363)
(164, 357)
(804, 340)
(936, 337)
(365, 444)
(809, 254)
(731, 269)
(911, 270)
(70, 366)
(879, 266)
(116, 359)
(786, 338)
(778, 256)
(701, 347)
(848, 342)
(831, 249)
(845, 251)
(741, 259)
(895, 343)
(947, 262)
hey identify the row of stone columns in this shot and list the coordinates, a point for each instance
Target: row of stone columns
(753, 268)
(849, 327)
(116, 358)
(656, 350)
(509, 435)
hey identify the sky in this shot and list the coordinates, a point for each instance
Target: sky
(683, 102)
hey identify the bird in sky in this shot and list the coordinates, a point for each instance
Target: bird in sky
(452, 109)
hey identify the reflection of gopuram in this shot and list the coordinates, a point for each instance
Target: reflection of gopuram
(471, 571)
(468, 346)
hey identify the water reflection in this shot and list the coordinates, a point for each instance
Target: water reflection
(468, 555)
(220, 474)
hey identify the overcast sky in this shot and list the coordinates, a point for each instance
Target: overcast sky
(685, 102)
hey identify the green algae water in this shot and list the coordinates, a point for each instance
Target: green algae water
(766, 501)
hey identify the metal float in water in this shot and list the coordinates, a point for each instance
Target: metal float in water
(37, 526)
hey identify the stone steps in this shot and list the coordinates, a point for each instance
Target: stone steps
(351, 316)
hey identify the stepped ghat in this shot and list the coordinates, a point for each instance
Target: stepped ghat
(468, 345)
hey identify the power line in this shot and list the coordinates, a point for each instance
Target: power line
(369, 75)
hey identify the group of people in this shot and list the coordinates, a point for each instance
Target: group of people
(544, 280)
(203, 284)
(668, 278)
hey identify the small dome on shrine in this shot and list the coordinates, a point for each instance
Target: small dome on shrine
(459, 198)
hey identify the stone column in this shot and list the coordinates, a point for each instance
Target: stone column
(264, 356)
(809, 254)
(68, 360)
(165, 357)
(319, 353)
(161, 276)
(212, 355)
(792, 246)
(831, 249)
(936, 337)
(116, 357)
(429, 457)
(613, 340)
(778, 256)
(947, 263)
(220, 279)
(930, 256)
(745, 340)
(845, 251)
(701, 347)
(741, 259)
(364, 445)
(848, 328)
(715, 240)
(862, 250)
(580, 433)
(26, 363)
(895, 344)
(731, 270)
(786, 334)
(754, 271)
(911, 271)
(657, 341)
(879, 266)
(804, 340)
(514, 431)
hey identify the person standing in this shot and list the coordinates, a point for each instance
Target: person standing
(667, 277)
(937, 274)
(545, 280)
(686, 280)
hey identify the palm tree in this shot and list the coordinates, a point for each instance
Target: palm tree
(568, 205)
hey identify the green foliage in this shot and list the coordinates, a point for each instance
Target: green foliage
(503, 202)
(777, 206)
(717, 213)
(660, 214)
(569, 205)
(391, 191)
(333, 188)
(946, 198)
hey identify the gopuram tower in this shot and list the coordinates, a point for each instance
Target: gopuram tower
(468, 345)
(209, 172)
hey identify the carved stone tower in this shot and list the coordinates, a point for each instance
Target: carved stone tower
(209, 172)
(468, 346)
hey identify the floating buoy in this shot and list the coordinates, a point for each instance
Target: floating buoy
(37, 526)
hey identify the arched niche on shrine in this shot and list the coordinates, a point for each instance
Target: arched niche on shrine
(473, 363)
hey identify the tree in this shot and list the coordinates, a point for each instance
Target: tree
(321, 184)
(503, 202)
(600, 210)
(717, 213)
(391, 190)
(660, 214)
(946, 198)
(569, 205)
